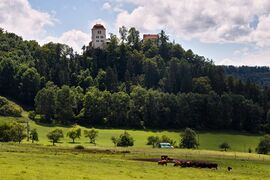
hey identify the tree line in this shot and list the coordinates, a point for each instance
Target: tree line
(130, 83)
(144, 108)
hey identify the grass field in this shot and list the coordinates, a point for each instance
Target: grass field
(28, 161)
(208, 140)
(44, 161)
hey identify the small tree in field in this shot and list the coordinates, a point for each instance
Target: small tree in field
(74, 133)
(125, 140)
(18, 132)
(188, 139)
(264, 145)
(224, 146)
(92, 135)
(55, 135)
(153, 140)
(34, 135)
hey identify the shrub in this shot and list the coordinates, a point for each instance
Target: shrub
(18, 132)
(74, 133)
(124, 140)
(224, 146)
(153, 140)
(249, 150)
(32, 115)
(5, 132)
(188, 139)
(92, 135)
(264, 145)
(55, 135)
(34, 135)
(80, 147)
(8, 108)
(12, 132)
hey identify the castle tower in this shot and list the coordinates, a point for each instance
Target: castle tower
(98, 36)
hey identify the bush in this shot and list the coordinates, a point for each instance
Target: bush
(249, 150)
(5, 132)
(32, 115)
(153, 140)
(12, 132)
(8, 108)
(224, 146)
(124, 140)
(74, 133)
(188, 139)
(92, 135)
(79, 147)
(264, 145)
(34, 135)
(18, 132)
(55, 135)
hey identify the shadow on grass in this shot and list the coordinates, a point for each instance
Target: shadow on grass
(74, 143)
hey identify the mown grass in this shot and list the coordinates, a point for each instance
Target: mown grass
(208, 140)
(45, 162)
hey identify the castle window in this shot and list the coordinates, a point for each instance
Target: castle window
(101, 37)
(99, 32)
(97, 37)
(101, 40)
(97, 40)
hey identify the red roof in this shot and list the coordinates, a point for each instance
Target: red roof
(98, 26)
(150, 36)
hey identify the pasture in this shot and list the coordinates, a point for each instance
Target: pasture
(208, 140)
(27, 161)
(104, 161)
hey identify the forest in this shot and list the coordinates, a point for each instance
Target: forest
(130, 83)
(257, 74)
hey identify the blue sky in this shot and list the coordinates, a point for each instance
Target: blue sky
(228, 32)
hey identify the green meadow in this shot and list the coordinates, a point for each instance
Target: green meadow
(208, 140)
(104, 161)
(27, 161)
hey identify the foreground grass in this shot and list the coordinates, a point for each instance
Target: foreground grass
(43, 161)
(46, 162)
(208, 140)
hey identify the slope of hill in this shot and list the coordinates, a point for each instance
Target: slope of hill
(9, 108)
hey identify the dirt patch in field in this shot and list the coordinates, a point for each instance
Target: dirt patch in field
(172, 161)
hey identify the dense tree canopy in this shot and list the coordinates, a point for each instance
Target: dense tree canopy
(130, 83)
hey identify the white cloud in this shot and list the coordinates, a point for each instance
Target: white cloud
(19, 17)
(74, 38)
(106, 6)
(113, 5)
(208, 20)
(249, 57)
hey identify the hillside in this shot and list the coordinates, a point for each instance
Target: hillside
(129, 84)
(258, 75)
(9, 108)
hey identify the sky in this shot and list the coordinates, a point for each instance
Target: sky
(229, 32)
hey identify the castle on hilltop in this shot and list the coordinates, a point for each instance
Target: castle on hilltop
(99, 37)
